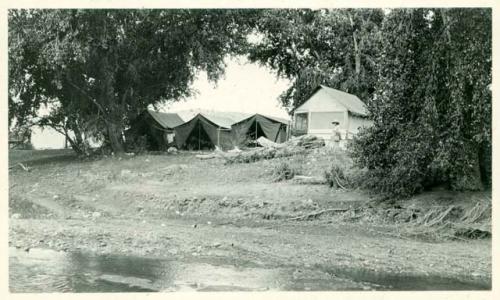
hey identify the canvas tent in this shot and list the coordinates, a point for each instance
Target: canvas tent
(227, 130)
(156, 127)
(204, 133)
(258, 125)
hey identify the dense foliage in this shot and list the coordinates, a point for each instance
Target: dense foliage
(335, 47)
(98, 69)
(432, 106)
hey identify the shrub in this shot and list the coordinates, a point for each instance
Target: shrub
(339, 177)
(285, 171)
(431, 109)
(27, 146)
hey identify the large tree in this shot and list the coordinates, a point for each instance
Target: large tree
(336, 47)
(98, 69)
(432, 106)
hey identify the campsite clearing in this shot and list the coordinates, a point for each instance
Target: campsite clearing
(182, 207)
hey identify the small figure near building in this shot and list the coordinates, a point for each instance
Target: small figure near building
(336, 132)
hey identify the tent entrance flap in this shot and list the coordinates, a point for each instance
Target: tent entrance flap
(199, 139)
(202, 134)
(269, 127)
(255, 131)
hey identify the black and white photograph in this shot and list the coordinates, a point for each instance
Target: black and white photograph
(249, 149)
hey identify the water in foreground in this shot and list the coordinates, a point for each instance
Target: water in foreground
(42, 270)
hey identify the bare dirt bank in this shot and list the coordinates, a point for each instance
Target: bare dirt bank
(181, 207)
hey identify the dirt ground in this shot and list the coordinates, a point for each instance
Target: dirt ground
(180, 206)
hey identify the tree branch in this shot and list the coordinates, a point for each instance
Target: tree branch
(97, 104)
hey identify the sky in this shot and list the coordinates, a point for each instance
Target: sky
(246, 87)
(46, 138)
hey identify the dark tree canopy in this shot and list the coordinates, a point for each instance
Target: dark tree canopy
(336, 47)
(432, 106)
(100, 68)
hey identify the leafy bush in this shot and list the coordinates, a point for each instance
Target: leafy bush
(401, 164)
(431, 109)
(285, 171)
(338, 177)
(26, 146)
(393, 168)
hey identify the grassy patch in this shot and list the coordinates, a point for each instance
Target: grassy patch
(31, 157)
(285, 171)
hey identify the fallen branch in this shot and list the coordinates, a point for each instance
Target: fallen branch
(227, 156)
(27, 169)
(337, 179)
(479, 211)
(24, 167)
(440, 218)
(315, 214)
(268, 143)
(206, 156)
(308, 180)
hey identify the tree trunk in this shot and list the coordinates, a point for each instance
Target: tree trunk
(115, 138)
(470, 178)
(357, 55)
(77, 148)
(78, 136)
(357, 49)
(476, 174)
(80, 141)
(446, 24)
(484, 157)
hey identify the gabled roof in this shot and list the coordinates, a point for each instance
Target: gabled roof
(166, 120)
(281, 120)
(219, 118)
(351, 102)
(276, 119)
(221, 123)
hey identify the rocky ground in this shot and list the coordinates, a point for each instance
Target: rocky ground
(180, 206)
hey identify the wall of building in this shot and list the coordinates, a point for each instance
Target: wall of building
(320, 124)
(323, 120)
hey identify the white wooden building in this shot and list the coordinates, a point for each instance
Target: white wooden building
(328, 107)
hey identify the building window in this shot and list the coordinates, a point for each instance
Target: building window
(301, 122)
